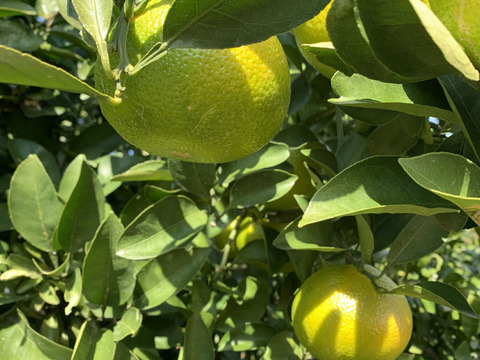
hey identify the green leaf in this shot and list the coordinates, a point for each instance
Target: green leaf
(420, 237)
(397, 136)
(327, 55)
(162, 227)
(424, 98)
(83, 212)
(247, 337)
(372, 186)
(19, 149)
(73, 291)
(411, 41)
(95, 17)
(108, 280)
(283, 346)
(260, 187)
(19, 341)
(365, 236)
(196, 178)
(318, 236)
(151, 170)
(32, 193)
(226, 24)
(268, 156)
(23, 69)
(166, 275)
(15, 35)
(15, 7)
(440, 293)
(93, 343)
(128, 325)
(465, 103)
(5, 222)
(197, 343)
(348, 36)
(70, 177)
(147, 196)
(19, 266)
(460, 184)
(247, 304)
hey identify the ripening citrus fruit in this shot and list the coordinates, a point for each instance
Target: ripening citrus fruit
(311, 32)
(303, 185)
(198, 105)
(338, 314)
(249, 230)
(461, 18)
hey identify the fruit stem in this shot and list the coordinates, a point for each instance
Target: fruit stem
(226, 250)
(156, 52)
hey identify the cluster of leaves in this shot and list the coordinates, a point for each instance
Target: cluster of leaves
(107, 252)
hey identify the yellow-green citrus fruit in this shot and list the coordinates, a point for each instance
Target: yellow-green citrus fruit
(461, 18)
(249, 230)
(311, 32)
(303, 185)
(202, 105)
(338, 314)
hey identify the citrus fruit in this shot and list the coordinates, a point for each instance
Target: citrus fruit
(311, 32)
(338, 314)
(461, 19)
(249, 230)
(202, 105)
(303, 185)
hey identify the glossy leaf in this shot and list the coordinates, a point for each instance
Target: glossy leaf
(348, 36)
(151, 170)
(420, 237)
(372, 186)
(327, 55)
(223, 24)
(365, 237)
(198, 344)
(32, 193)
(14, 7)
(107, 278)
(269, 156)
(419, 99)
(162, 227)
(247, 337)
(318, 236)
(196, 178)
(21, 148)
(24, 69)
(19, 266)
(410, 40)
(19, 341)
(83, 212)
(397, 136)
(166, 275)
(465, 103)
(70, 177)
(460, 184)
(440, 293)
(260, 187)
(73, 291)
(283, 346)
(93, 343)
(15, 35)
(128, 325)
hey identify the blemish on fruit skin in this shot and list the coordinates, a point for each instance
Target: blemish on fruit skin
(180, 154)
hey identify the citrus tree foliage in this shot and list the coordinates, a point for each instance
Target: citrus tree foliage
(109, 252)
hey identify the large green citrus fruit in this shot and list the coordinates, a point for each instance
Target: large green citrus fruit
(198, 105)
(461, 18)
(311, 32)
(249, 230)
(338, 314)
